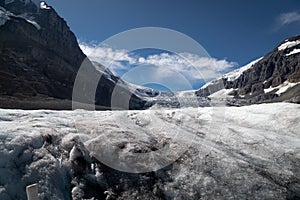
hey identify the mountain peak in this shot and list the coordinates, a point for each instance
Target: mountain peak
(274, 77)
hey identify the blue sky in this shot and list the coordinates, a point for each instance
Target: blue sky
(235, 31)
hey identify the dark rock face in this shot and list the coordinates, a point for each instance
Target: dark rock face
(271, 71)
(38, 67)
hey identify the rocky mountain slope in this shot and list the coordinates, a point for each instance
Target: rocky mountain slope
(40, 58)
(249, 152)
(272, 78)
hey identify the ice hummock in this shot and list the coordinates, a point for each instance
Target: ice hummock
(246, 146)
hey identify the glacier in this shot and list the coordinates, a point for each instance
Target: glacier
(229, 153)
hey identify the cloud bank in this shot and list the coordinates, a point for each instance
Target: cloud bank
(168, 66)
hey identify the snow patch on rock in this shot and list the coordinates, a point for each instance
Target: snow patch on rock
(295, 51)
(221, 94)
(44, 5)
(235, 74)
(34, 23)
(231, 76)
(282, 88)
(288, 44)
(6, 15)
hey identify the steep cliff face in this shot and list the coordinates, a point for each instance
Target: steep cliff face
(273, 78)
(40, 58)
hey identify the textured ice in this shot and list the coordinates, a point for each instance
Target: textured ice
(250, 152)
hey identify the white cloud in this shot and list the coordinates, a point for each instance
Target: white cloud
(190, 65)
(107, 56)
(288, 18)
(168, 66)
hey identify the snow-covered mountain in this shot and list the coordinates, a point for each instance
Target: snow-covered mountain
(249, 152)
(40, 58)
(272, 78)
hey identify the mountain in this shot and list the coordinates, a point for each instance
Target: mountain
(40, 58)
(272, 78)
